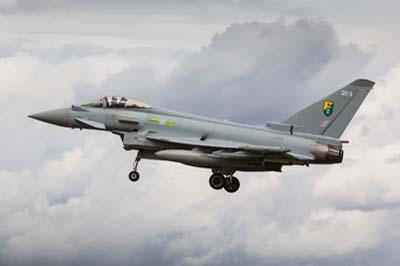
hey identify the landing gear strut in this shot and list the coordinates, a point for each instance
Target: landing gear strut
(134, 175)
(219, 180)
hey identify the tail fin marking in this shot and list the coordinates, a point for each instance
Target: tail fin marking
(331, 115)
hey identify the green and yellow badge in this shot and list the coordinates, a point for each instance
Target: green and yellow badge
(163, 122)
(155, 121)
(328, 107)
(169, 123)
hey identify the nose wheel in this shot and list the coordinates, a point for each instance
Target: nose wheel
(134, 175)
(228, 182)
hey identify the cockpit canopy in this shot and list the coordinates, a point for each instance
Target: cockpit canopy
(118, 102)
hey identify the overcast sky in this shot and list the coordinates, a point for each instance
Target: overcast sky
(65, 196)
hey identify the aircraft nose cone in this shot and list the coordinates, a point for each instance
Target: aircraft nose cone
(58, 117)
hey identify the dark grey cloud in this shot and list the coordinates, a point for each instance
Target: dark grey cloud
(249, 71)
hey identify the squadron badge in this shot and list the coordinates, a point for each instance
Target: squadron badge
(328, 107)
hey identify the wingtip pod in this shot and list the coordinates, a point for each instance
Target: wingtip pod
(365, 83)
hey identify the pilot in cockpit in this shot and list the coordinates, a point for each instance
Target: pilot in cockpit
(118, 102)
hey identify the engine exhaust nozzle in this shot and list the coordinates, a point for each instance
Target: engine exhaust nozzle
(327, 154)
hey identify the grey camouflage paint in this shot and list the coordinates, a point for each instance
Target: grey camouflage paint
(310, 136)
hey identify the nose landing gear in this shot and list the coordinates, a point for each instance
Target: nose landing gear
(134, 175)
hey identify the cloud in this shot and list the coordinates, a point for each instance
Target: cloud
(67, 200)
(194, 7)
(374, 131)
(29, 84)
(249, 70)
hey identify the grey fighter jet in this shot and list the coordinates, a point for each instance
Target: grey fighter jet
(310, 136)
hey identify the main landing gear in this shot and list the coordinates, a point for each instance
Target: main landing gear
(228, 182)
(134, 175)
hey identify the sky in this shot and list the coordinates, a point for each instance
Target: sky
(65, 195)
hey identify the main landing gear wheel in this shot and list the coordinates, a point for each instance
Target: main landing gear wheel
(232, 184)
(224, 179)
(217, 181)
(134, 176)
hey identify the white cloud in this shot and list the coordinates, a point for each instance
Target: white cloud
(369, 179)
(30, 84)
(345, 231)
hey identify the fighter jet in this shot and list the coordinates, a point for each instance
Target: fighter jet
(310, 136)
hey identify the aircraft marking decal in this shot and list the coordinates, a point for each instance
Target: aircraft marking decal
(164, 122)
(346, 93)
(328, 107)
(169, 123)
(155, 121)
(324, 123)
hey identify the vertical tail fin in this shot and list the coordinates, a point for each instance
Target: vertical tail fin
(331, 115)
